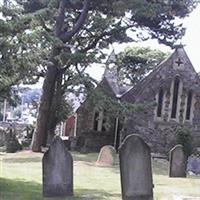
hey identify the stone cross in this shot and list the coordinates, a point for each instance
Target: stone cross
(179, 62)
(135, 169)
(177, 159)
(57, 170)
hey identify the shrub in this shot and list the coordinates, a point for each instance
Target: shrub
(184, 137)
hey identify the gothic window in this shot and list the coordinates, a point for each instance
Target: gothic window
(175, 97)
(96, 116)
(160, 102)
(98, 120)
(189, 104)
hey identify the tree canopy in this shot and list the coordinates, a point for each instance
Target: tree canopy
(133, 64)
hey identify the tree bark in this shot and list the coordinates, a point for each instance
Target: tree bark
(55, 108)
(40, 135)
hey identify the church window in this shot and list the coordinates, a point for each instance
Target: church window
(98, 120)
(189, 103)
(175, 97)
(160, 102)
(96, 115)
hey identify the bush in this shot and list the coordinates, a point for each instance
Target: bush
(184, 137)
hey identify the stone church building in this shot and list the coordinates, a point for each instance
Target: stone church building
(172, 93)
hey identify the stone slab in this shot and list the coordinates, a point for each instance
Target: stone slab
(57, 170)
(135, 169)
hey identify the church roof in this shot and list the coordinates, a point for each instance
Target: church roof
(111, 77)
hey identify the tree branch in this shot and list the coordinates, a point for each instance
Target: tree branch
(60, 18)
(80, 22)
(99, 37)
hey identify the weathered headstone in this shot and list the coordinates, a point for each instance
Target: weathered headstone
(106, 156)
(12, 143)
(135, 169)
(57, 170)
(177, 165)
(193, 164)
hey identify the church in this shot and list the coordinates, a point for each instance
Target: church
(172, 91)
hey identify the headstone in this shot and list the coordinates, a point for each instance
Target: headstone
(177, 165)
(193, 164)
(12, 143)
(135, 169)
(2, 137)
(57, 170)
(106, 156)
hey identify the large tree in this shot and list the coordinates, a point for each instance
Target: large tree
(134, 63)
(79, 30)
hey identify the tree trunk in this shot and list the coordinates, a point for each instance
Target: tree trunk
(40, 135)
(55, 108)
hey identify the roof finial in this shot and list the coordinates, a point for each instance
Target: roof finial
(179, 46)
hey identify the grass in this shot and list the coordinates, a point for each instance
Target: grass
(21, 179)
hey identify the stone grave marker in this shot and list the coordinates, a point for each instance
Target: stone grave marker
(106, 156)
(135, 169)
(57, 170)
(193, 164)
(177, 159)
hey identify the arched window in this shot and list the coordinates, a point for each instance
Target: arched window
(175, 97)
(160, 102)
(98, 120)
(95, 124)
(189, 104)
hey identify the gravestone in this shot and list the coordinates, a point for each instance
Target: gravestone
(11, 142)
(177, 165)
(106, 156)
(57, 170)
(193, 164)
(135, 169)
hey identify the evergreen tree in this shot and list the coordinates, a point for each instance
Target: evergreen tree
(19, 52)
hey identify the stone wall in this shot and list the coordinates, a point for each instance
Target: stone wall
(159, 135)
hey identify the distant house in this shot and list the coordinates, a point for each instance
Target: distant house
(173, 92)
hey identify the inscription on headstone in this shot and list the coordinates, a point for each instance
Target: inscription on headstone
(57, 170)
(135, 169)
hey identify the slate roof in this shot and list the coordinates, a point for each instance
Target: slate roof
(111, 77)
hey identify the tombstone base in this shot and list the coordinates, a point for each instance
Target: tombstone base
(138, 198)
(57, 191)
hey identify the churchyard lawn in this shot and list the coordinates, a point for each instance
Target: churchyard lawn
(21, 179)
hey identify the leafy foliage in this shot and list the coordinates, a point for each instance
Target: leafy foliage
(20, 49)
(135, 63)
(184, 137)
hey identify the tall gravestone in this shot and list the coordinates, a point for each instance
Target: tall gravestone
(57, 170)
(135, 169)
(177, 159)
